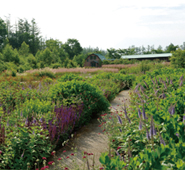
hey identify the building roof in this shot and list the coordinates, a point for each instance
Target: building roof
(100, 56)
(146, 56)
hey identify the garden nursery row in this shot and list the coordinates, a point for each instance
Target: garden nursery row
(37, 117)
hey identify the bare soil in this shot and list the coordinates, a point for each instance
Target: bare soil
(89, 138)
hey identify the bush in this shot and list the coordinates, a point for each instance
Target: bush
(21, 69)
(56, 65)
(178, 59)
(77, 92)
(44, 73)
(69, 77)
(13, 73)
(25, 145)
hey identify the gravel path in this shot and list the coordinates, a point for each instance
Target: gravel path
(89, 138)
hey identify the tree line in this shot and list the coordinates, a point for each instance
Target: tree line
(23, 48)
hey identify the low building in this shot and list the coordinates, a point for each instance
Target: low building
(163, 56)
(94, 60)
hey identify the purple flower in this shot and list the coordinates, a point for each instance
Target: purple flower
(156, 91)
(126, 116)
(147, 135)
(139, 95)
(152, 128)
(120, 130)
(120, 121)
(140, 125)
(41, 119)
(145, 83)
(34, 121)
(139, 113)
(172, 110)
(165, 85)
(143, 113)
(22, 154)
(142, 88)
(181, 83)
(21, 113)
(156, 81)
(26, 122)
(162, 141)
(181, 77)
(177, 135)
(152, 81)
(8, 123)
(167, 79)
(183, 119)
(136, 88)
(171, 82)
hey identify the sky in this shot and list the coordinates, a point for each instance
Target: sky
(104, 23)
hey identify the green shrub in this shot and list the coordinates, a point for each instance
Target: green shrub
(45, 73)
(13, 73)
(55, 65)
(178, 59)
(77, 92)
(25, 145)
(21, 69)
(69, 77)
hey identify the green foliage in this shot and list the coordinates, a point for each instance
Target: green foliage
(111, 163)
(13, 73)
(21, 69)
(25, 145)
(32, 61)
(74, 92)
(72, 47)
(24, 50)
(69, 77)
(79, 59)
(145, 66)
(55, 65)
(8, 54)
(45, 73)
(36, 108)
(3, 66)
(178, 59)
(3, 32)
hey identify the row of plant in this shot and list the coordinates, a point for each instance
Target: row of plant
(37, 118)
(153, 136)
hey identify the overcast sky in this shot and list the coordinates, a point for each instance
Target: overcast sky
(104, 23)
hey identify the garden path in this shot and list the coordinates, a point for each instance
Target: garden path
(89, 138)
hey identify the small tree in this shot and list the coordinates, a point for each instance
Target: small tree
(178, 58)
(24, 50)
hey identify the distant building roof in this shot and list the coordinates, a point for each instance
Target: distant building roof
(100, 56)
(146, 56)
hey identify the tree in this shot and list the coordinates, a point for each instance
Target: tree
(79, 59)
(35, 38)
(178, 58)
(47, 57)
(3, 33)
(72, 47)
(171, 48)
(8, 53)
(32, 61)
(113, 54)
(24, 50)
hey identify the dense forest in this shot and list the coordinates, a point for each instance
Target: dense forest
(23, 48)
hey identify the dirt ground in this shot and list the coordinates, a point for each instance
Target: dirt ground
(90, 139)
